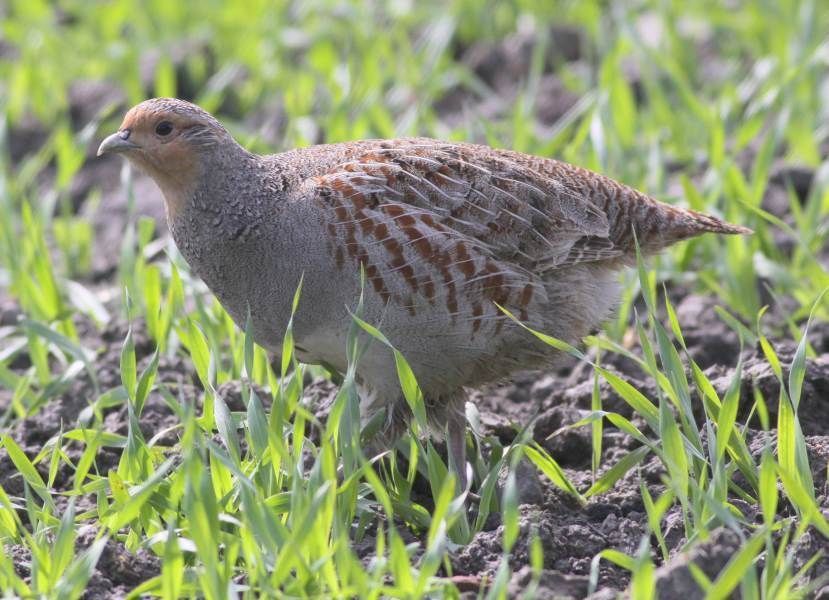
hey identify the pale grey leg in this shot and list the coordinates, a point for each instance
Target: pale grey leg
(456, 449)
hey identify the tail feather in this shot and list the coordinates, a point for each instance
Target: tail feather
(682, 224)
(658, 225)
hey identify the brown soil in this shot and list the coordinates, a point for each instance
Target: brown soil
(571, 535)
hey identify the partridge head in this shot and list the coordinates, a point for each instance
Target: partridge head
(434, 235)
(169, 140)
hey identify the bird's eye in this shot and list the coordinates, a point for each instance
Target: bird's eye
(164, 128)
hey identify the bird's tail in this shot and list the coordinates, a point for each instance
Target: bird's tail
(683, 223)
(656, 225)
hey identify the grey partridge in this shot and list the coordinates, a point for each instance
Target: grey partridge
(442, 232)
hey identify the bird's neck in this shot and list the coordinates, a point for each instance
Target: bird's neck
(178, 193)
(216, 184)
(221, 212)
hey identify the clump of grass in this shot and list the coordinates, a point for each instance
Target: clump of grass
(268, 501)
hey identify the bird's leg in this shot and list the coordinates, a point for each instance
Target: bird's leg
(456, 438)
(456, 451)
(384, 428)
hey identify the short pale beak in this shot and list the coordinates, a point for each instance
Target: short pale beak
(117, 142)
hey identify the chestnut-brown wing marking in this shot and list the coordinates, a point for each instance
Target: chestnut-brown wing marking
(413, 260)
(516, 213)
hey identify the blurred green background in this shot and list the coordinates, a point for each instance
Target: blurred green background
(720, 106)
(691, 101)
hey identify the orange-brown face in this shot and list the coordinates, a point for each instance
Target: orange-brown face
(158, 140)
